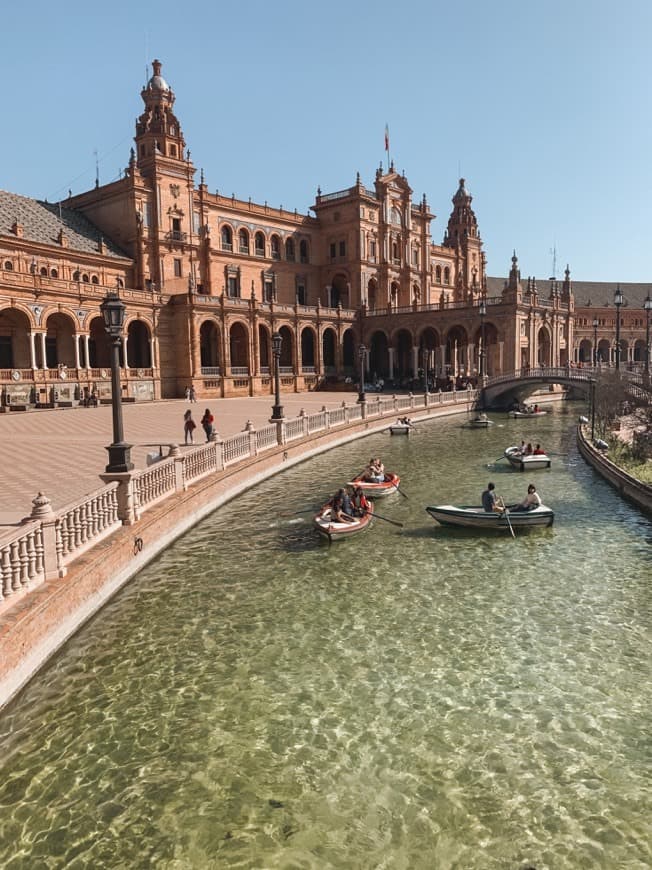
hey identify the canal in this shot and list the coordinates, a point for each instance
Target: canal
(415, 698)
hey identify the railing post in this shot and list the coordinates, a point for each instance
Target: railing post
(125, 495)
(411, 400)
(327, 417)
(219, 451)
(304, 422)
(346, 412)
(249, 427)
(179, 468)
(53, 567)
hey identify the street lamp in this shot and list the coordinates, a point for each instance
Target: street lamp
(618, 301)
(647, 305)
(362, 353)
(277, 409)
(113, 312)
(596, 323)
(483, 350)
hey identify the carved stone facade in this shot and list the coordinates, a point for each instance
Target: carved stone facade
(207, 279)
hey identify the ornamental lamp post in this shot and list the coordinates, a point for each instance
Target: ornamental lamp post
(618, 301)
(596, 323)
(426, 354)
(113, 311)
(277, 409)
(647, 305)
(483, 350)
(362, 353)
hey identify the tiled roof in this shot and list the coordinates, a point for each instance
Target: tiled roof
(598, 294)
(42, 222)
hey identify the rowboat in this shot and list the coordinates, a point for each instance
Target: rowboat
(380, 489)
(400, 429)
(527, 413)
(478, 518)
(526, 462)
(479, 422)
(338, 531)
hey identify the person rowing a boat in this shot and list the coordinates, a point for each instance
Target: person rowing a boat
(338, 513)
(490, 500)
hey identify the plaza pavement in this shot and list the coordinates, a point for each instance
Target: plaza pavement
(61, 452)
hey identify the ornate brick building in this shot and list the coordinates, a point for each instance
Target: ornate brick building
(207, 280)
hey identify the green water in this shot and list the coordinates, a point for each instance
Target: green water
(420, 699)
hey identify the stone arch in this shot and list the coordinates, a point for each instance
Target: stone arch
(99, 345)
(429, 341)
(226, 237)
(239, 345)
(15, 327)
(379, 355)
(139, 350)
(328, 345)
(457, 349)
(209, 344)
(308, 356)
(264, 348)
(585, 352)
(544, 347)
(60, 340)
(604, 351)
(287, 348)
(372, 294)
(403, 357)
(639, 351)
(290, 254)
(339, 292)
(349, 351)
(275, 246)
(492, 350)
(259, 244)
(243, 241)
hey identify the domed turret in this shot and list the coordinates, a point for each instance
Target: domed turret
(157, 82)
(158, 132)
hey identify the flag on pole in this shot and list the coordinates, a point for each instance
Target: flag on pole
(387, 138)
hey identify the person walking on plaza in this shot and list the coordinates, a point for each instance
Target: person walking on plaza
(193, 395)
(187, 394)
(207, 422)
(189, 427)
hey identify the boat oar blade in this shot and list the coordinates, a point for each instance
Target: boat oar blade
(376, 516)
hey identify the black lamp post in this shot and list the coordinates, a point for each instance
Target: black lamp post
(362, 353)
(113, 312)
(618, 301)
(596, 323)
(647, 305)
(277, 341)
(483, 350)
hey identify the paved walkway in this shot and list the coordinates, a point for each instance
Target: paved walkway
(61, 452)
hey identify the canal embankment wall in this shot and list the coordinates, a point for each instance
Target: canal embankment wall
(62, 568)
(629, 487)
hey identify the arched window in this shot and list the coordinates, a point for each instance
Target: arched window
(43, 272)
(447, 275)
(438, 274)
(9, 266)
(227, 238)
(54, 273)
(243, 238)
(289, 250)
(275, 247)
(85, 278)
(76, 275)
(259, 245)
(304, 253)
(95, 279)
(395, 216)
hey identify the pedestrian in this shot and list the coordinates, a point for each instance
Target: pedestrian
(193, 395)
(187, 394)
(207, 422)
(189, 427)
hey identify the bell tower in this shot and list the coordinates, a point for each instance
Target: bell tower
(463, 235)
(158, 133)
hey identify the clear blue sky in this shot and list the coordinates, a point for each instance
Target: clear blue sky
(543, 107)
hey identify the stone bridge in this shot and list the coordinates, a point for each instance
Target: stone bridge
(517, 385)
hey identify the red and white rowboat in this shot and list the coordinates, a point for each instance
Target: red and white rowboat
(377, 490)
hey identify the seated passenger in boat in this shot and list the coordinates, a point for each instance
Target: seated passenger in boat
(360, 502)
(531, 501)
(522, 449)
(378, 470)
(538, 451)
(490, 500)
(536, 409)
(529, 450)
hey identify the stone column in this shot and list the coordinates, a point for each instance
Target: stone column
(415, 361)
(32, 351)
(126, 500)
(390, 352)
(77, 363)
(43, 359)
(87, 350)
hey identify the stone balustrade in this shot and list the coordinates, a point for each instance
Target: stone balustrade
(47, 542)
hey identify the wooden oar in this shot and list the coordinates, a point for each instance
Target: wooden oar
(505, 514)
(385, 519)
(490, 464)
